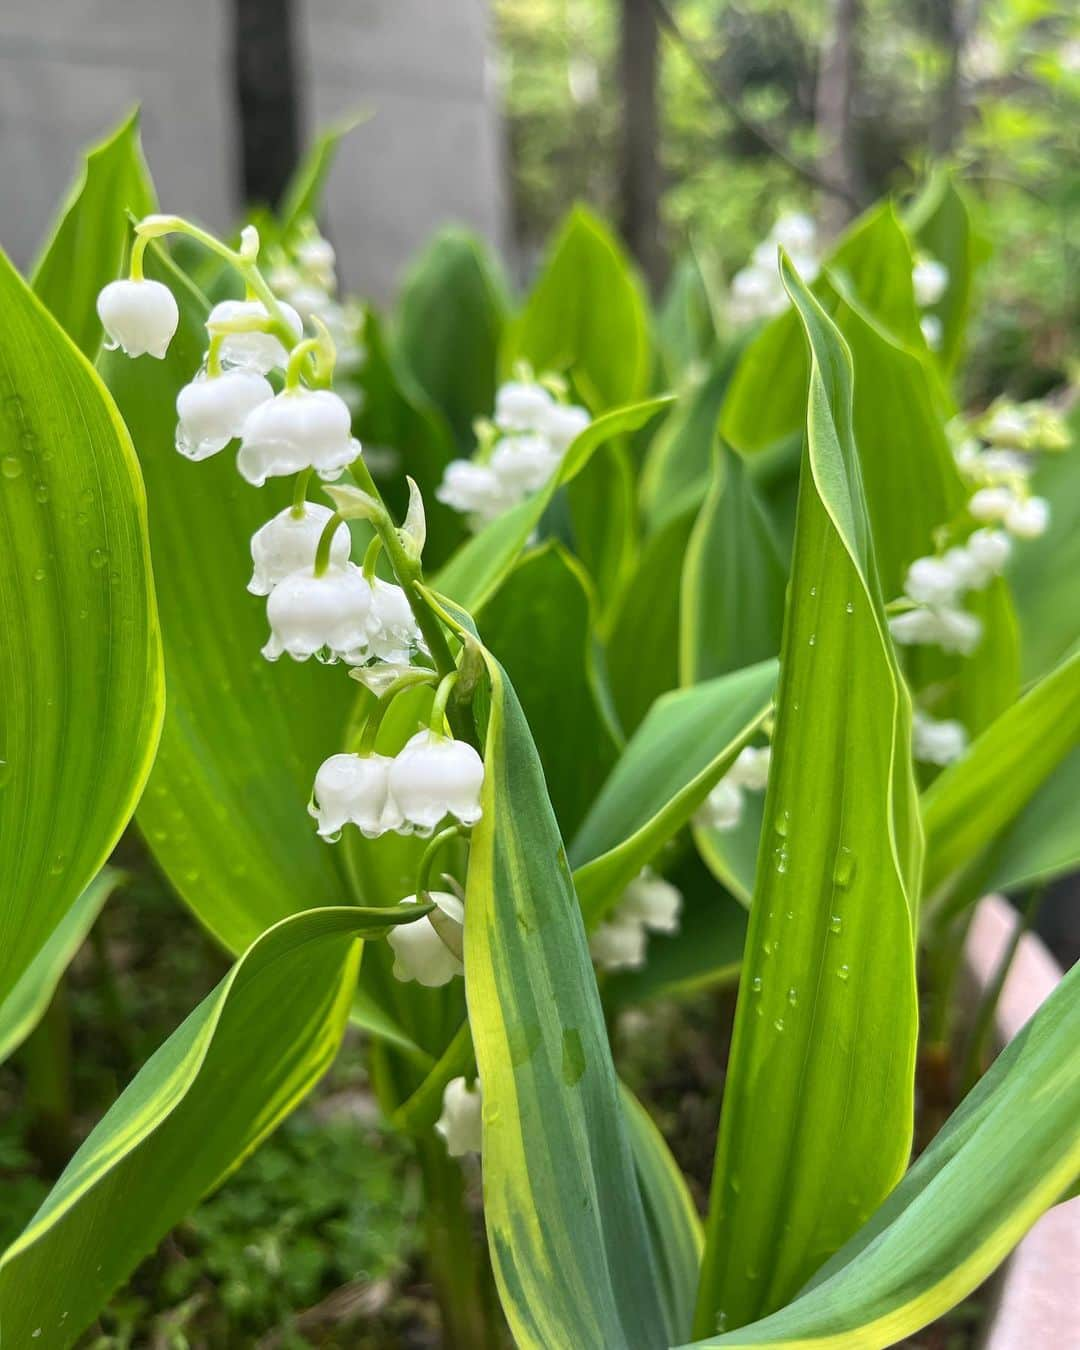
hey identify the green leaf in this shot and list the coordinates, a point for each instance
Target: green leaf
(1045, 573)
(25, 1006)
(1044, 841)
(977, 797)
(224, 812)
(674, 1226)
(586, 316)
(817, 1116)
(80, 675)
(209, 1096)
(603, 512)
(684, 746)
(479, 567)
(566, 1227)
(731, 855)
(1009, 1152)
(539, 626)
(940, 221)
(732, 598)
(648, 612)
(451, 316)
(303, 195)
(685, 321)
(87, 246)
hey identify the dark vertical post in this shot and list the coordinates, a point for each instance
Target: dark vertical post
(639, 168)
(834, 113)
(267, 97)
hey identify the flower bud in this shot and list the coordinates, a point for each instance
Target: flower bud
(139, 316)
(434, 776)
(298, 429)
(936, 742)
(954, 630)
(992, 503)
(932, 581)
(288, 543)
(212, 410)
(521, 407)
(796, 231)
(751, 768)
(1028, 517)
(722, 808)
(933, 331)
(326, 616)
(394, 631)
(474, 490)
(522, 464)
(619, 945)
(988, 552)
(353, 790)
(420, 954)
(461, 1122)
(254, 350)
(563, 423)
(929, 278)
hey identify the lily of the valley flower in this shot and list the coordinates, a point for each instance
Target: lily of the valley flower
(474, 490)
(722, 809)
(649, 904)
(944, 626)
(138, 315)
(298, 429)
(937, 742)
(327, 616)
(929, 278)
(288, 543)
(461, 1122)
(394, 633)
(354, 790)
(1025, 517)
(252, 350)
(420, 953)
(212, 410)
(434, 776)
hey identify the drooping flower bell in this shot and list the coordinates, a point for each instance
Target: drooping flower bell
(521, 464)
(933, 581)
(937, 742)
(944, 626)
(212, 410)
(252, 350)
(474, 490)
(461, 1122)
(354, 790)
(563, 423)
(751, 768)
(288, 543)
(325, 616)
(619, 945)
(652, 902)
(521, 406)
(722, 809)
(929, 278)
(420, 953)
(298, 429)
(393, 628)
(138, 315)
(434, 776)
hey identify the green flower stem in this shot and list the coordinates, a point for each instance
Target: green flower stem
(408, 572)
(371, 557)
(322, 552)
(438, 706)
(213, 355)
(321, 356)
(299, 496)
(427, 862)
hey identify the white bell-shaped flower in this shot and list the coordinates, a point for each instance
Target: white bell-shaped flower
(354, 790)
(652, 902)
(1008, 424)
(722, 809)
(326, 616)
(317, 257)
(796, 231)
(138, 315)
(992, 503)
(435, 776)
(987, 552)
(937, 742)
(618, 944)
(522, 407)
(1028, 517)
(393, 628)
(253, 350)
(420, 953)
(933, 581)
(997, 465)
(563, 423)
(954, 630)
(288, 543)
(474, 490)
(298, 429)
(522, 464)
(929, 278)
(933, 331)
(461, 1122)
(751, 768)
(212, 410)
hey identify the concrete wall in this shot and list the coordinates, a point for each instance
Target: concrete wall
(69, 69)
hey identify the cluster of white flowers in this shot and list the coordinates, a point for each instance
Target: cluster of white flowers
(937, 742)
(519, 452)
(929, 278)
(757, 291)
(722, 809)
(305, 274)
(648, 905)
(431, 777)
(936, 585)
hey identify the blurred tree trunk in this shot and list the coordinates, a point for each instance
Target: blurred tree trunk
(267, 100)
(959, 18)
(639, 166)
(834, 114)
